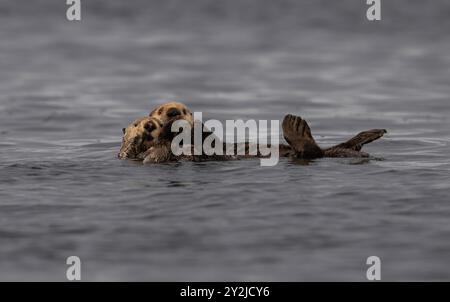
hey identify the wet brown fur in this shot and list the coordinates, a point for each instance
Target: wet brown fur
(170, 110)
(298, 134)
(139, 136)
(155, 146)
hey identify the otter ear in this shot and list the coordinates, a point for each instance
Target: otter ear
(123, 130)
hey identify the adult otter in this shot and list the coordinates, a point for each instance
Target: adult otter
(296, 132)
(155, 146)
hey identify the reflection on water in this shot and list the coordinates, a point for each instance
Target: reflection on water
(302, 162)
(66, 91)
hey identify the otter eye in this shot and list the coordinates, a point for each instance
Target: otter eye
(123, 130)
(160, 111)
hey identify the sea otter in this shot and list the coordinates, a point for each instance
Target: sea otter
(152, 144)
(143, 133)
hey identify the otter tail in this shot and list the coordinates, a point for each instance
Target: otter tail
(357, 142)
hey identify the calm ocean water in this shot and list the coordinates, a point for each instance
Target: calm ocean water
(67, 89)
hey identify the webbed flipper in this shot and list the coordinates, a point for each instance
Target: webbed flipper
(298, 135)
(361, 139)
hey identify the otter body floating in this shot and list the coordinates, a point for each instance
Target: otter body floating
(149, 139)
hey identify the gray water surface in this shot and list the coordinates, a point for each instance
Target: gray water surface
(67, 89)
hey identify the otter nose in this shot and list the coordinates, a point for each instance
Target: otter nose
(173, 112)
(149, 127)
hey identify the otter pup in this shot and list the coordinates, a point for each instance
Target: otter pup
(139, 136)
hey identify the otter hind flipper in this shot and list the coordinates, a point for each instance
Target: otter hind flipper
(297, 133)
(342, 152)
(357, 142)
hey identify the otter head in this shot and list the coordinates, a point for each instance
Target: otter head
(172, 110)
(139, 136)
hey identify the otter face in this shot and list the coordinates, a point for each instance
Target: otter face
(172, 110)
(139, 136)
